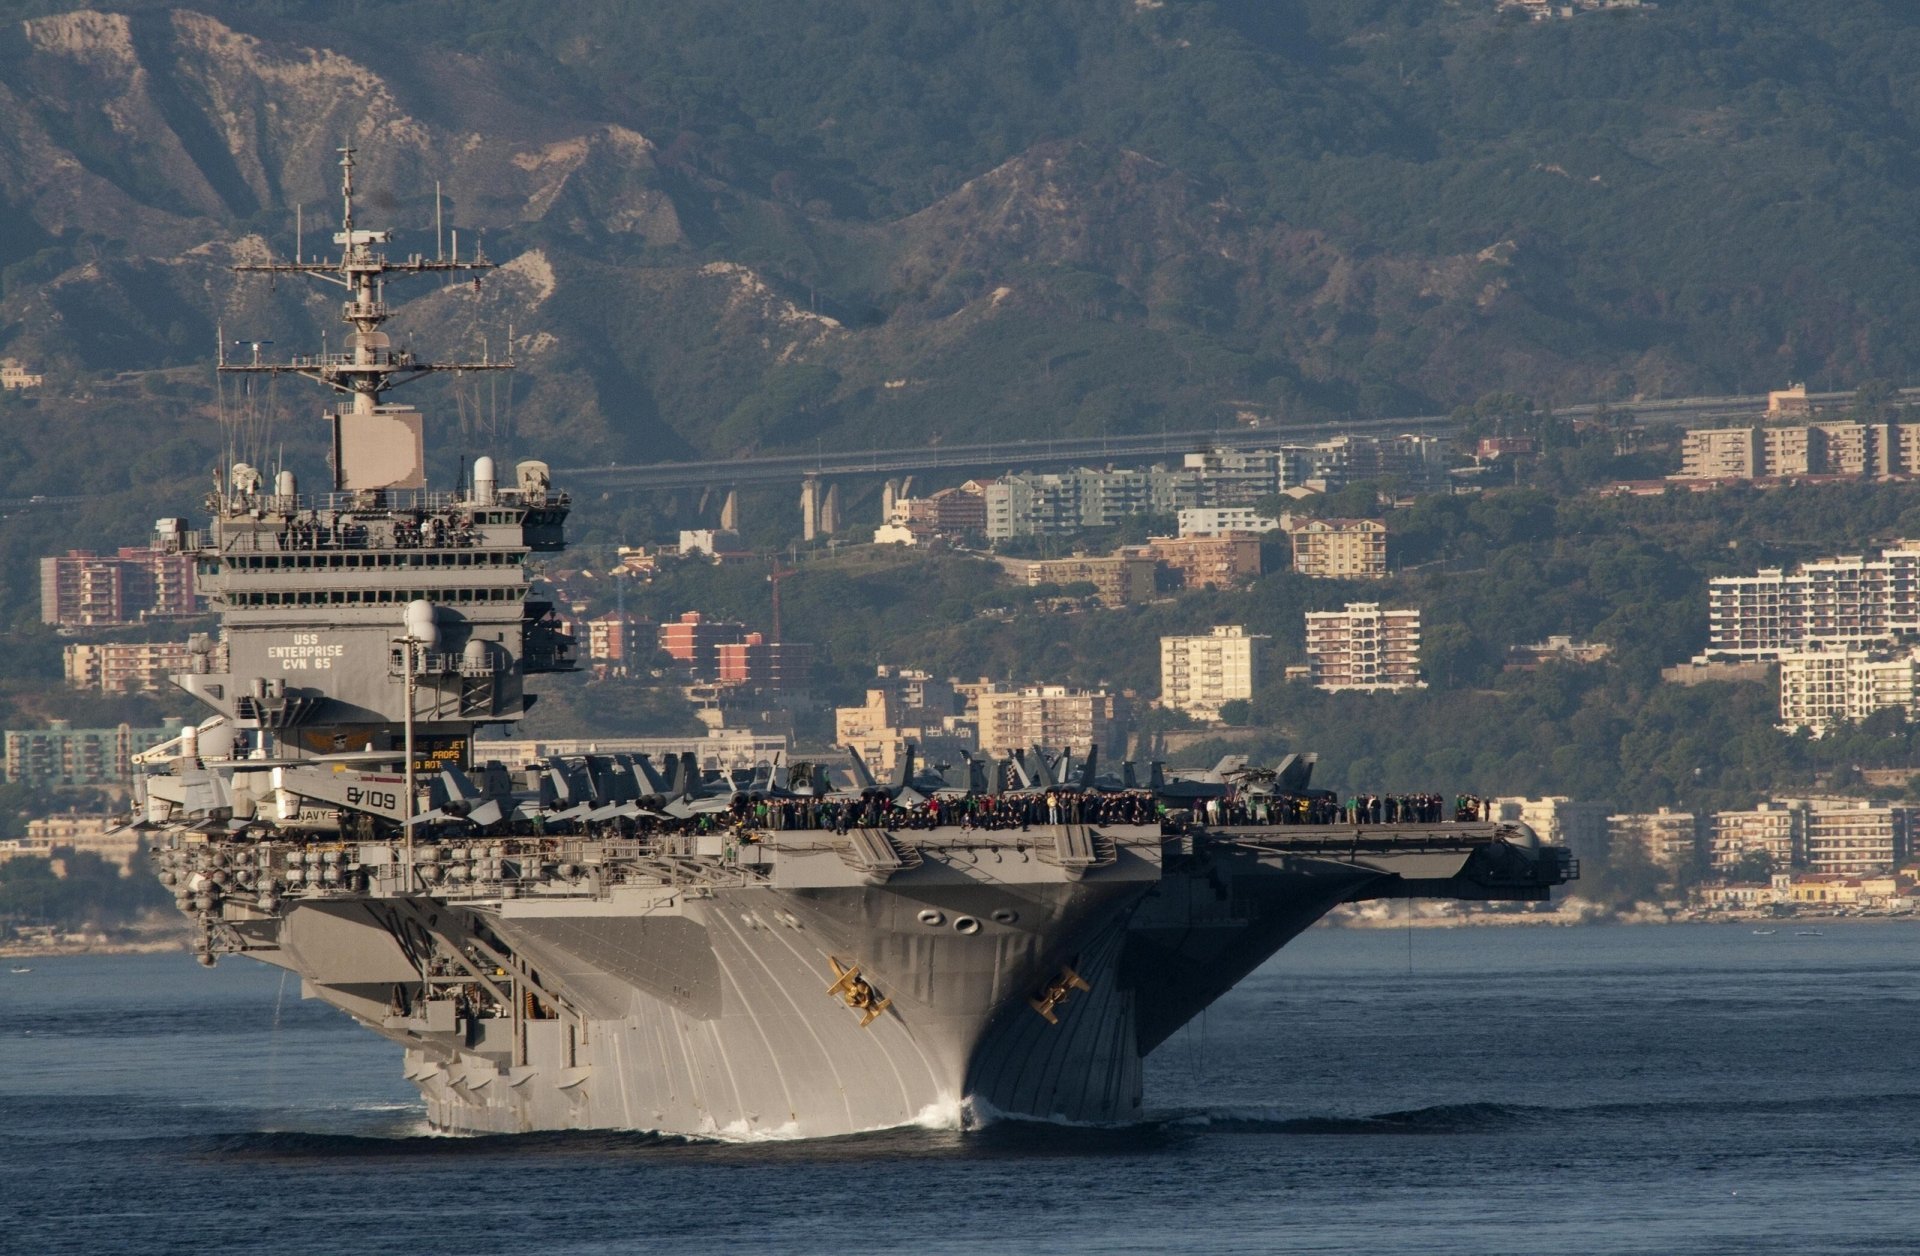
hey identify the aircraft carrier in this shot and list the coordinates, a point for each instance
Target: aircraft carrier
(600, 942)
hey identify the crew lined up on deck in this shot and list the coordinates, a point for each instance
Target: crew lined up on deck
(758, 812)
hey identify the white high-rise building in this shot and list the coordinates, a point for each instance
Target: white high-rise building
(1199, 675)
(1819, 688)
(1052, 716)
(1850, 600)
(1364, 647)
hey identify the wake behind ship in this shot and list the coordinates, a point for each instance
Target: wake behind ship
(602, 942)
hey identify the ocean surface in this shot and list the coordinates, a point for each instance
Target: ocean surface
(1682, 1089)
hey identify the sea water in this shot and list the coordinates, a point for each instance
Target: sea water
(1681, 1089)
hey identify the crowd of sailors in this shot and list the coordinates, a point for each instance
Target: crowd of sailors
(411, 530)
(747, 812)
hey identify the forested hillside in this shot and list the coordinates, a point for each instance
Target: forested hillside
(732, 225)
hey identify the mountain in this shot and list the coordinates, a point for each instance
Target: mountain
(751, 226)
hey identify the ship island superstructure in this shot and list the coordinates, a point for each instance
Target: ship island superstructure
(602, 942)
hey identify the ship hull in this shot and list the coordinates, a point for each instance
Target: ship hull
(714, 1014)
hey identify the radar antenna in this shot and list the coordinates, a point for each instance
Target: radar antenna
(369, 436)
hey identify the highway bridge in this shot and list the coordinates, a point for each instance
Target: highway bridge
(1071, 450)
(1067, 451)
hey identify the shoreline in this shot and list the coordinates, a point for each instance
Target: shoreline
(1577, 913)
(1337, 919)
(62, 950)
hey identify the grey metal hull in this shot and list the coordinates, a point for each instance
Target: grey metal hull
(709, 1014)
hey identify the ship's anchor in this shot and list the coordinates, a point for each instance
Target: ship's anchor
(857, 992)
(1057, 993)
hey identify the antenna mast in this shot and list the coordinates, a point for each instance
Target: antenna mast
(372, 367)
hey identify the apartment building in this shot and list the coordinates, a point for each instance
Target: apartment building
(1206, 562)
(1416, 463)
(617, 644)
(126, 666)
(53, 837)
(1777, 830)
(82, 589)
(1851, 600)
(756, 663)
(1240, 477)
(1034, 504)
(1820, 688)
(1723, 453)
(1867, 450)
(1199, 675)
(960, 511)
(694, 641)
(1056, 504)
(1848, 837)
(1117, 581)
(902, 705)
(1364, 647)
(63, 755)
(1668, 839)
(1339, 549)
(1052, 716)
(1227, 521)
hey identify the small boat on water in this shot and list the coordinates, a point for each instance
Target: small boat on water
(23, 970)
(1765, 933)
(1809, 933)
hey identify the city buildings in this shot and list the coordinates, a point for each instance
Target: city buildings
(1562, 649)
(771, 666)
(617, 644)
(1227, 521)
(713, 544)
(1199, 675)
(52, 837)
(15, 375)
(1339, 549)
(1795, 837)
(63, 755)
(1838, 448)
(126, 666)
(723, 652)
(1033, 504)
(1776, 831)
(1667, 839)
(1850, 837)
(1848, 600)
(1364, 647)
(904, 705)
(1116, 581)
(82, 589)
(1819, 688)
(694, 642)
(1206, 562)
(951, 512)
(1055, 503)
(1053, 716)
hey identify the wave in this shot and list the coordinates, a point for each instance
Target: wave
(1451, 1118)
(1485, 1117)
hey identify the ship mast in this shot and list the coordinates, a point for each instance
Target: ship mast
(372, 367)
